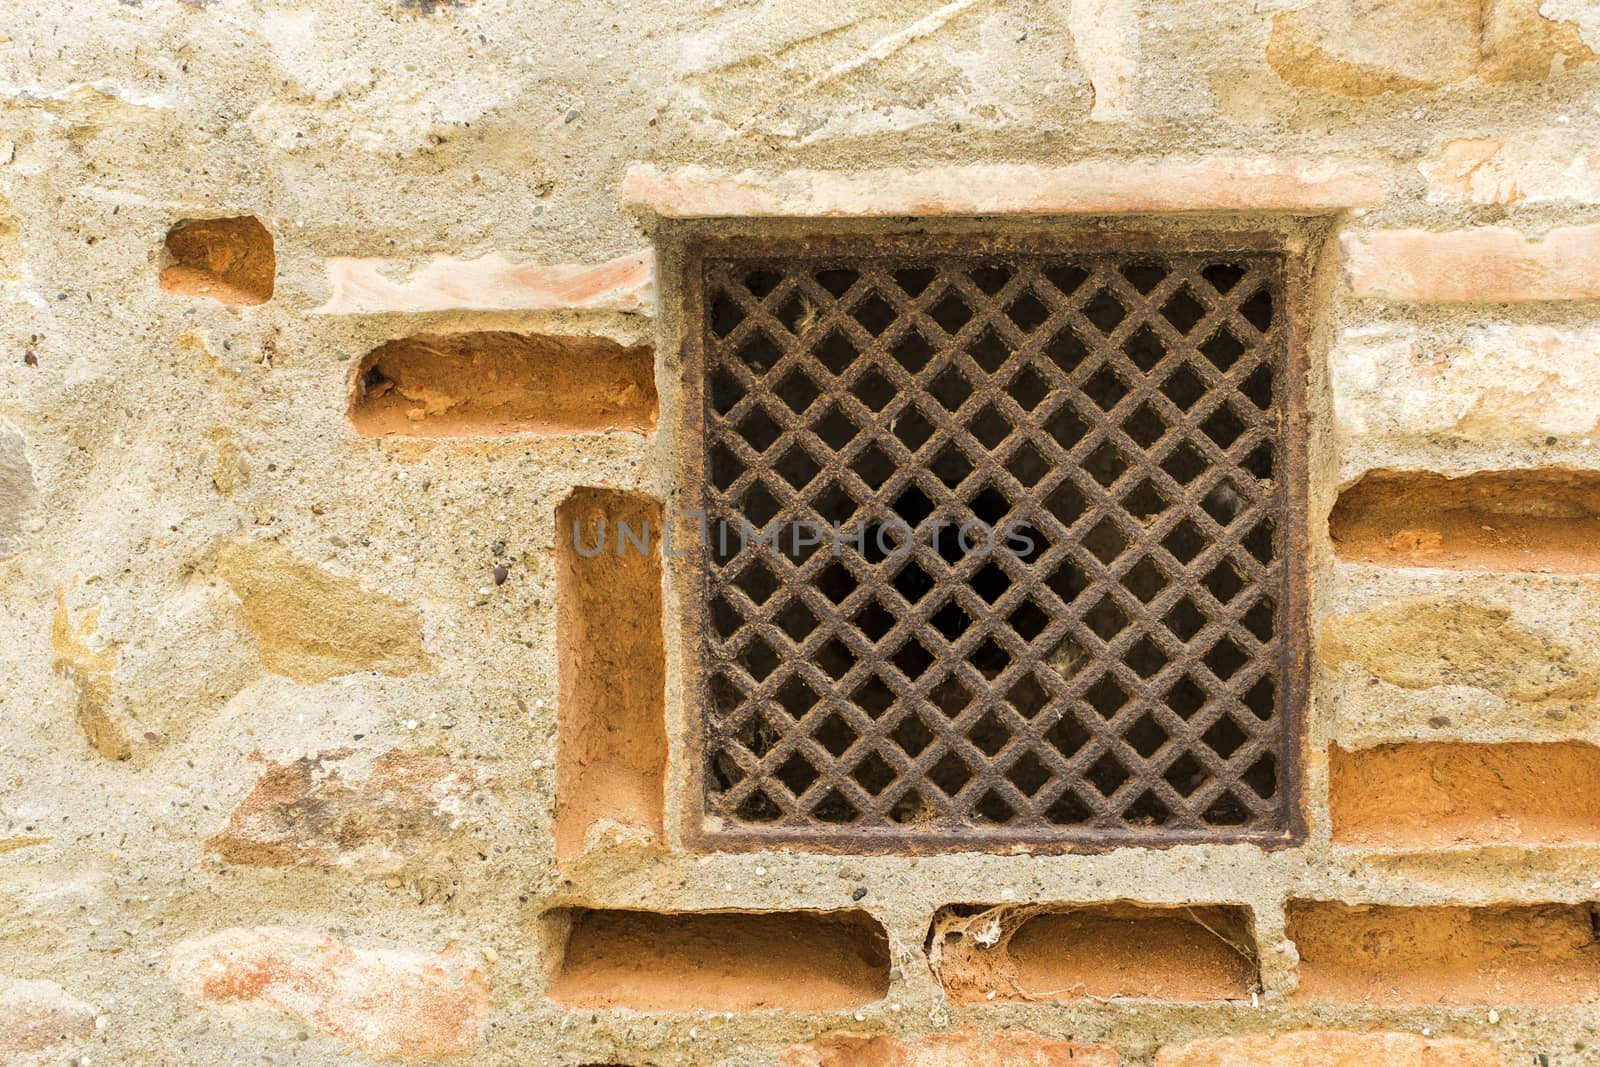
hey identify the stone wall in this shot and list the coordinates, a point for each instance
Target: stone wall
(317, 743)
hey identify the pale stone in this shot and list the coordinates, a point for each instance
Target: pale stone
(1429, 643)
(1489, 265)
(84, 659)
(314, 625)
(489, 283)
(18, 490)
(1331, 1048)
(1176, 184)
(36, 1015)
(1362, 48)
(1492, 382)
(153, 672)
(390, 1003)
(1418, 654)
(1531, 170)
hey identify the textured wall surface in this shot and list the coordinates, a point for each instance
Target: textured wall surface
(279, 695)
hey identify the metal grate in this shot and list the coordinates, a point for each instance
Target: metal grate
(1130, 677)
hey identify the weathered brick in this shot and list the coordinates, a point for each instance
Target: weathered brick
(720, 961)
(1331, 1048)
(1489, 265)
(1531, 170)
(1432, 795)
(328, 810)
(489, 283)
(1216, 184)
(492, 382)
(1489, 382)
(36, 1015)
(390, 1003)
(1378, 954)
(1007, 1048)
(1099, 951)
(227, 260)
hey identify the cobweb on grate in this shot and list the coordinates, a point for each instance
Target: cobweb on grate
(1117, 679)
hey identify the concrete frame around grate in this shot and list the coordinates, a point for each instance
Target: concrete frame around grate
(1110, 820)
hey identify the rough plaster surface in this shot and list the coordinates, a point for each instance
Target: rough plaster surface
(145, 432)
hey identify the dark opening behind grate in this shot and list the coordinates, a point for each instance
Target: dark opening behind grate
(1129, 678)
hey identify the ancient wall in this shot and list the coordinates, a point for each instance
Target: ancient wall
(321, 742)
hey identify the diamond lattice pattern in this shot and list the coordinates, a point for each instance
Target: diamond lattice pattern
(1119, 679)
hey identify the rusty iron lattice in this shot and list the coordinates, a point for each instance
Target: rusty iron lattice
(1133, 405)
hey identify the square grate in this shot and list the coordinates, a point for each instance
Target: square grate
(999, 542)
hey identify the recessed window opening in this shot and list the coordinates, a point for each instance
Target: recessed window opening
(1050, 595)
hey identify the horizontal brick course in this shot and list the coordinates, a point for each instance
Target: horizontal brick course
(1436, 795)
(1496, 954)
(1175, 184)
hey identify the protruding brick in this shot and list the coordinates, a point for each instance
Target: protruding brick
(1205, 184)
(490, 283)
(390, 1003)
(1007, 1048)
(328, 810)
(1489, 265)
(1331, 1048)
(37, 1015)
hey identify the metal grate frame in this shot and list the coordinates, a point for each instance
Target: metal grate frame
(1137, 403)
